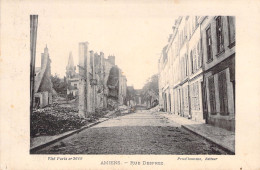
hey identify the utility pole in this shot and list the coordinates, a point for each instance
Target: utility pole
(33, 38)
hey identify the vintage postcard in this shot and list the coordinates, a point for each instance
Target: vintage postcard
(130, 85)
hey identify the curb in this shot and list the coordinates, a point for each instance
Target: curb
(34, 149)
(209, 140)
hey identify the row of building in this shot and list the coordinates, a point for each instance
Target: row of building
(197, 70)
(99, 83)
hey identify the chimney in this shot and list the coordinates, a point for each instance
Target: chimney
(46, 49)
(101, 57)
(92, 63)
(111, 59)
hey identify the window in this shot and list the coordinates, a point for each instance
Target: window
(199, 55)
(220, 39)
(195, 103)
(196, 21)
(212, 100)
(197, 96)
(191, 60)
(186, 64)
(195, 58)
(231, 29)
(209, 44)
(170, 103)
(173, 102)
(191, 96)
(186, 98)
(223, 99)
(183, 66)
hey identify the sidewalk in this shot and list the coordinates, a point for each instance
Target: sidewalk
(219, 136)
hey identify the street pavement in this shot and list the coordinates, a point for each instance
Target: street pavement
(143, 132)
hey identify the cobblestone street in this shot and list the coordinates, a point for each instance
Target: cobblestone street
(143, 132)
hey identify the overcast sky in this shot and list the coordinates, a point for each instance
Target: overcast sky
(134, 33)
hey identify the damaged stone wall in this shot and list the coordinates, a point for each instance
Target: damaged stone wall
(99, 82)
(113, 83)
(99, 71)
(43, 85)
(108, 64)
(83, 52)
(122, 88)
(46, 84)
(113, 88)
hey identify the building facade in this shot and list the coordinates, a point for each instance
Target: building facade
(218, 38)
(199, 50)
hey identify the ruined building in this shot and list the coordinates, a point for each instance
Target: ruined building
(43, 84)
(101, 83)
(72, 77)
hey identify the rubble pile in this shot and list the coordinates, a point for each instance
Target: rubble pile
(97, 114)
(123, 110)
(155, 109)
(112, 104)
(55, 120)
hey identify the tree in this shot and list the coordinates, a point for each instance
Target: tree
(150, 91)
(130, 93)
(151, 84)
(59, 85)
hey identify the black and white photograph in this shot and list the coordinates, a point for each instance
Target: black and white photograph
(92, 102)
(129, 85)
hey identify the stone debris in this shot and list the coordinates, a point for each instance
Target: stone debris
(123, 107)
(112, 104)
(154, 109)
(55, 120)
(62, 116)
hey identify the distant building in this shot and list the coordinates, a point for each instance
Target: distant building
(72, 77)
(197, 70)
(43, 84)
(138, 97)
